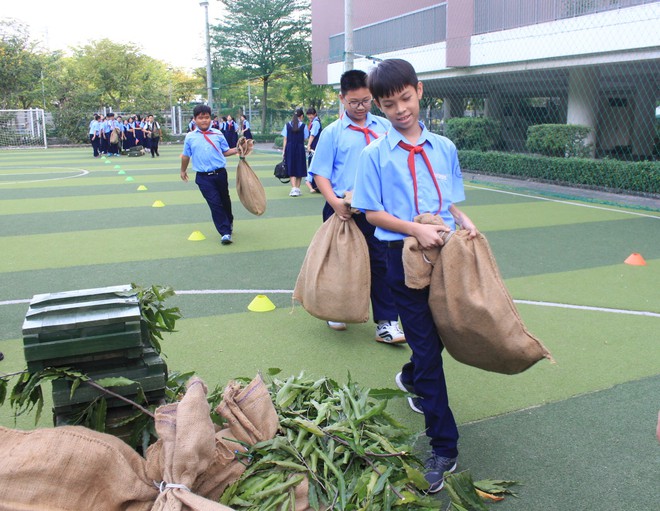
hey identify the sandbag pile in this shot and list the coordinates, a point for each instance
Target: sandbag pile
(334, 282)
(250, 191)
(75, 468)
(472, 309)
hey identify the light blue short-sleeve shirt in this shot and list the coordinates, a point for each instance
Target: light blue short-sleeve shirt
(205, 157)
(315, 127)
(283, 132)
(384, 181)
(338, 151)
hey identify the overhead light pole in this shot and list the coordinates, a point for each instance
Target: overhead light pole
(209, 77)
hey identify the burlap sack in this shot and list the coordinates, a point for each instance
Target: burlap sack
(72, 468)
(114, 136)
(250, 191)
(334, 282)
(472, 309)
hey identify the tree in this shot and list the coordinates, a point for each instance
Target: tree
(21, 66)
(263, 37)
(122, 77)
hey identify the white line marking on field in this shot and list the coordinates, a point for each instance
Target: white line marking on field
(234, 291)
(290, 291)
(81, 172)
(589, 308)
(570, 203)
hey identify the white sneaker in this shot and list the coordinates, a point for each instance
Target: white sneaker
(335, 325)
(295, 192)
(389, 332)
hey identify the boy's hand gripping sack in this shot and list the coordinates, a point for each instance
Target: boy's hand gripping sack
(250, 191)
(472, 309)
(334, 282)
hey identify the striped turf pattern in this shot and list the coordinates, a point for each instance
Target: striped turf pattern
(69, 221)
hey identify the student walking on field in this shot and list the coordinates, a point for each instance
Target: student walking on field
(407, 172)
(295, 133)
(153, 133)
(95, 135)
(333, 169)
(207, 148)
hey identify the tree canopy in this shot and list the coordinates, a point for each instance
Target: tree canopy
(263, 37)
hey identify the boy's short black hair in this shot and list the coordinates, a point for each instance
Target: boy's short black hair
(201, 109)
(352, 80)
(390, 77)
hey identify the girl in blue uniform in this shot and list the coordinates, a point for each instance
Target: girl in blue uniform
(231, 132)
(245, 127)
(129, 138)
(295, 133)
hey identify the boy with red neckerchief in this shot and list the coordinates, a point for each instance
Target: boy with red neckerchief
(333, 169)
(208, 148)
(407, 172)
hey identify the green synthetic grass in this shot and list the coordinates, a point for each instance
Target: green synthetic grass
(98, 230)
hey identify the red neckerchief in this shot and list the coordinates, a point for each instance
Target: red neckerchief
(366, 131)
(413, 150)
(206, 136)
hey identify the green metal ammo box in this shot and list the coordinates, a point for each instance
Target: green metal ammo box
(88, 328)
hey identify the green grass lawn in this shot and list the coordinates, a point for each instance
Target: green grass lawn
(69, 221)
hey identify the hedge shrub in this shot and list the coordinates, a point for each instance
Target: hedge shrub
(478, 133)
(263, 137)
(639, 177)
(561, 140)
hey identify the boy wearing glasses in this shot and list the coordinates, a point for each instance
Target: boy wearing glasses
(333, 168)
(407, 172)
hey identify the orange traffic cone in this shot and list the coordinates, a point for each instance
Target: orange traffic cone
(635, 259)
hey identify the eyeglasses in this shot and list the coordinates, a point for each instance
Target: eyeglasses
(366, 103)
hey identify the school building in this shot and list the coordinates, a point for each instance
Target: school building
(522, 62)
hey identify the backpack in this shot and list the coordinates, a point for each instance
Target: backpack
(281, 172)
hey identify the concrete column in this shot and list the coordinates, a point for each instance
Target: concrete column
(452, 107)
(643, 129)
(494, 106)
(583, 101)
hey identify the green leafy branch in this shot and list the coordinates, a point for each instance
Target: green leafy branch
(157, 317)
(340, 437)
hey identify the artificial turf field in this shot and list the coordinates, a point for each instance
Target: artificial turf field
(577, 435)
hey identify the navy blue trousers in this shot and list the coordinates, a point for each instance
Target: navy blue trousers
(215, 189)
(424, 371)
(96, 144)
(382, 301)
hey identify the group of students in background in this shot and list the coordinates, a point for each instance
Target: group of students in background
(111, 136)
(298, 148)
(229, 128)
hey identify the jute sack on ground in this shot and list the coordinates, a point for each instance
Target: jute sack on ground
(334, 282)
(250, 191)
(472, 309)
(73, 468)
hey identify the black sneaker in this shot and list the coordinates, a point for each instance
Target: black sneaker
(436, 466)
(414, 402)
